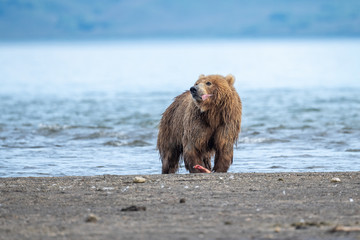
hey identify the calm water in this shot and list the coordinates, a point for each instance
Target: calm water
(93, 108)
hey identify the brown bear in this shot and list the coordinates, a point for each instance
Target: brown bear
(202, 122)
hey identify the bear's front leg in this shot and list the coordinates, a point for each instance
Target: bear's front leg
(191, 159)
(223, 158)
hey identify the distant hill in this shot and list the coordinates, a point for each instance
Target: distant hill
(91, 19)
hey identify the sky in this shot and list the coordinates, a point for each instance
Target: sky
(163, 19)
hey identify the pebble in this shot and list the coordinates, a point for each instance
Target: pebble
(139, 180)
(125, 189)
(91, 218)
(335, 179)
(133, 208)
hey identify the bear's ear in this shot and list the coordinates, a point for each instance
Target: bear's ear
(201, 76)
(230, 79)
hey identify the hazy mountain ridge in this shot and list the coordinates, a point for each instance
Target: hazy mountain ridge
(66, 19)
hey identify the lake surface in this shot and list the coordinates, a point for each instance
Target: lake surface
(92, 108)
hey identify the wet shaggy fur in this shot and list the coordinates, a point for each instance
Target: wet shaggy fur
(199, 124)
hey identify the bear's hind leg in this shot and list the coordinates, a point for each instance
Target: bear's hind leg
(223, 160)
(170, 163)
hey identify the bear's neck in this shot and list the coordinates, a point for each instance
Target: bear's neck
(215, 116)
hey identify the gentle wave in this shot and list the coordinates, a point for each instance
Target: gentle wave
(294, 156)
(45, 129)
(249, 140)
(353, 150)
(99, 135)
(134, 143)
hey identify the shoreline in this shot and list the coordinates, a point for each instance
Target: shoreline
(303, 205)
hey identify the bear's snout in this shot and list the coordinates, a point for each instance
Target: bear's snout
(195, 93)
(193, 90)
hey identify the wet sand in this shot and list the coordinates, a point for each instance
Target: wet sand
(196, 206)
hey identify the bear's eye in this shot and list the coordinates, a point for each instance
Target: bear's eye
(208, 83)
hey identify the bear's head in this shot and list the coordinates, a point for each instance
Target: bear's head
(212, 90)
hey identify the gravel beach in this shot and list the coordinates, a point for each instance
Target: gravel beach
(183, 206)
